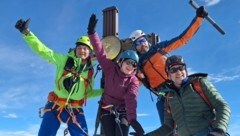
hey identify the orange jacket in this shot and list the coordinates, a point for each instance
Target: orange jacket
(152, 64)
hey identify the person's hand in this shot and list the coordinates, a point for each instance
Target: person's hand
(92, 24)
(137, 127)
(22, 26)
(201, 12)
(216, 132)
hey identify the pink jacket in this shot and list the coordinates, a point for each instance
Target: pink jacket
(120, 89)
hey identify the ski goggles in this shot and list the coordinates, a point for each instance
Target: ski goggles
(139, 41)
(175, 69)
(131, 62)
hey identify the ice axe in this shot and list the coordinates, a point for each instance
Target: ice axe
(209, 19)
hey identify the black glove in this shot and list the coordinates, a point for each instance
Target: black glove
(22, 26)
(92, 24)
(216, 132)
(201, 12)
(137, 127)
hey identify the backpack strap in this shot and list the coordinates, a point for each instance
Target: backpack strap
(167, 103)
(87, 82)
(198, 88)
(145, 80)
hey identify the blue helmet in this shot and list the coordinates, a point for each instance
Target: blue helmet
(129, 54)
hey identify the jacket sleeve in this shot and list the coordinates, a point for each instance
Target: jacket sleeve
(100, 53)
(38, 47)
(91, 92)
(183, 38)
(166, 129)
(131, 99)
(94, 93)
(219, 104)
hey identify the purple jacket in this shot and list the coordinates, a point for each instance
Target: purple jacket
(120, 89)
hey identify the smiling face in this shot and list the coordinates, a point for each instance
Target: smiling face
(177, 73)
(128, 66)
(82, 52)
(142, 45)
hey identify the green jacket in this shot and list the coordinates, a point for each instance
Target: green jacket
(77, 91)
(190, 113)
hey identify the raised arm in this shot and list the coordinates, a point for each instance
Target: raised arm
(100, 53)
(187, 34)
(35, 44)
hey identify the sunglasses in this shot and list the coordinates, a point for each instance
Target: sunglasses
(131, 62)
(175, 69)
(140, 41)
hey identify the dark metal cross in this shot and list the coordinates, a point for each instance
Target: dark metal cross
(110, 28)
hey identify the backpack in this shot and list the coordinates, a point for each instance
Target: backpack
(143, 77)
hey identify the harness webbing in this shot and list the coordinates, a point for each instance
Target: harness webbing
(145, 81)
(86, 83)
(61, 103)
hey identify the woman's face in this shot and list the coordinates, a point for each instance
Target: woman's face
(82, 52)
(128, 66)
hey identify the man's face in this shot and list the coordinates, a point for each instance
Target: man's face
(82, 51)
(177, 73)
(141, 45)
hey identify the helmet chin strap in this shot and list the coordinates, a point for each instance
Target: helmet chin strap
(120, 62)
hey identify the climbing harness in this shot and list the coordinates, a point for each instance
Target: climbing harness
(61, 104)
(68, 81)
(113, 111)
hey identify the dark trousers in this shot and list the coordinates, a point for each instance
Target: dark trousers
(110, 127)
(160, 108)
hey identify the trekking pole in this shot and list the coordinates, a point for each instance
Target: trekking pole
(132, 133)
(98, 69)
(209, 19)
(97, 121)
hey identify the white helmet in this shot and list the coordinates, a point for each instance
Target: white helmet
(136, 34)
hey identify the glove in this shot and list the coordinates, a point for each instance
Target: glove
(22, 26)
(92, 24)
(201, 12)
(216, 132)
(137, 127)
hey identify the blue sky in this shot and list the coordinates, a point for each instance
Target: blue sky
(26, 79)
